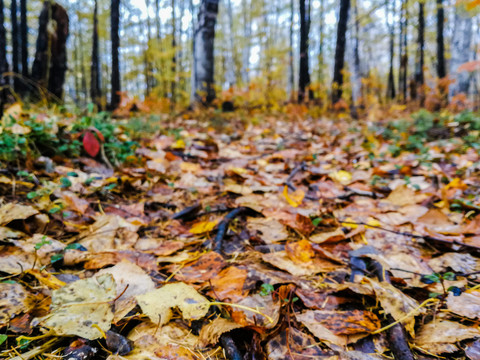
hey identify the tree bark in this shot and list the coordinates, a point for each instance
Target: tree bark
(391, 93)
(173, 82)
(461, 52)
(203, 51)
(403, 52)
(24, 42)
(3, 59)
(291, 66)
(340, 51)
(115, 80)
(420, 58)
(230, 73)
(321, 57)
(304, 74)
(95, 81)
(50, 62)
(441, 67)
(247, 33)
(357, 72)
(15, 47)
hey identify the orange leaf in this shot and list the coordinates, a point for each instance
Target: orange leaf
(295, 198)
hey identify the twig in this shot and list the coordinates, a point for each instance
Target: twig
(223, 227)
(187, 212)
(415, 236)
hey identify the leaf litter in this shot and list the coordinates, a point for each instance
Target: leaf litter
(308, 241)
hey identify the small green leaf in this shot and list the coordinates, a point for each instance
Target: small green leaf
(65, 182)
(208, 208)
(23, 173)
(316, 221)
(56, 258)
(434, 295)
(32, 195)
(3, 338)
(55, 210)
(75, 246)
(72, 173)
(110, 187)
(44, 242)
(449, 276)
(267, 289)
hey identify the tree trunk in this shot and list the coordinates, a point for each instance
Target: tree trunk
(304, 71)
(340, 51)
(115, 81)
(403, 52)
(95, 81)
(441, 68)
(50, 62)
(391, 80)
(173, 82)
(24, 43)
(357, 72)
(420, 59)
(247, 33)
(203, 51)
(321, 57)
(461, 42)
(3, 59)
(230, 73)
(15, 47)
(291, 67)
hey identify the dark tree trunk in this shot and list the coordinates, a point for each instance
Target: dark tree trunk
(304, 75)
(15, 48)
(441, 67)
(420, 63)
(50, 62)
(115, 81)
(95, 87)
(391, 80)
(24, 39)
(203, 51)
(402, 73)
(340, 51)
(291, 69)
(3, 59)
(173, 83)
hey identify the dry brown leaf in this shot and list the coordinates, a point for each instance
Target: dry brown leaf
(439, 337)
(467, 304)
(281, 260)
(211, 332)
(396, 303)
(332, 236)
(271, 230)
(228, 284)
(14, 300)
(13, 211)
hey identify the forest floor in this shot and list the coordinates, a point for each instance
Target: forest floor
(271, 239)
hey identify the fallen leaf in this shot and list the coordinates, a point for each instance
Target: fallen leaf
(440, 337)
(82, 308)
(13, 211)
(158, 304)
(14, 300)
(295, 199)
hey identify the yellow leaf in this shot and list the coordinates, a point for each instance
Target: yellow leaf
(341, 176)
(373, 222)
(13, 111)
(295, 198)
(203, 227)
(179, 144)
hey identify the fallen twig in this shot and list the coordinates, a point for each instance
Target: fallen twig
(223, 227)
(415, 236)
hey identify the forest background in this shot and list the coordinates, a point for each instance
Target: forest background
(265, 54)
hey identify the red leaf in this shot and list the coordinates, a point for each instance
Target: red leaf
(91, 144)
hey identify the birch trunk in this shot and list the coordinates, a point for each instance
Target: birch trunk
(461, 51)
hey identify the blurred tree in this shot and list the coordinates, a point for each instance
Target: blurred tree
(340, 51)
(203, 51)
(95, 87)
(304, 74)
(441, 67)
(50, 62)
(114, 33)
(24, 43)
(391, 93)
(419, 79)
(3, 59)
(15, 47)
